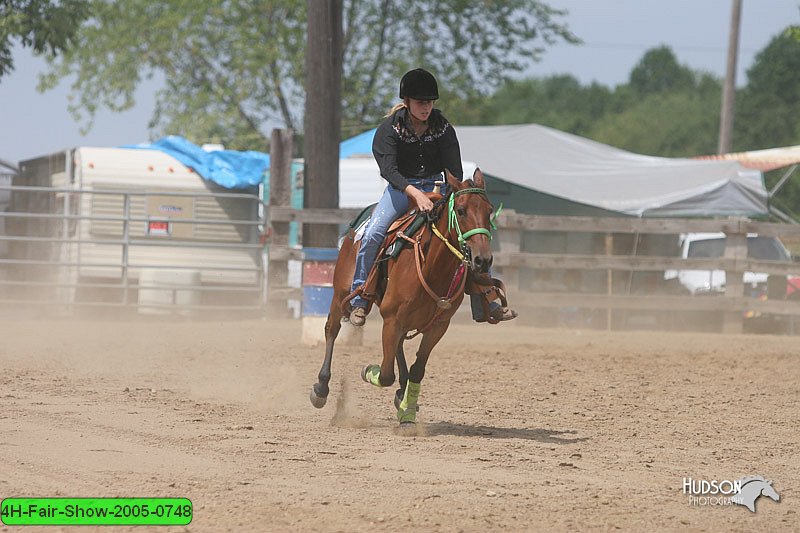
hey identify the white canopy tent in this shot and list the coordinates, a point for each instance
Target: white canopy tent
(591, 173)
(360, 182)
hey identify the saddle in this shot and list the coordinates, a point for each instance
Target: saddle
(408, 224)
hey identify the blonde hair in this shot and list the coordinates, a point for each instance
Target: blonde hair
(394, 109)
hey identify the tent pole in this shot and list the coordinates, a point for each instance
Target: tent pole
(783, 216)
(609, 279)
(781, 181)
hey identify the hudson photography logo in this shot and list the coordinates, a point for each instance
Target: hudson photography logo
(743, 491)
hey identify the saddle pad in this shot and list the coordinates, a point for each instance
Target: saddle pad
(361, 228)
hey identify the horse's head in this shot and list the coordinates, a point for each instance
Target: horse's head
(469, 219)
(768, 491)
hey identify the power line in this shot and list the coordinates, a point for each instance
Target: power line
(688, 48)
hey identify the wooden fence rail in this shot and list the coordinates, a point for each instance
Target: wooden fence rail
(510, 259)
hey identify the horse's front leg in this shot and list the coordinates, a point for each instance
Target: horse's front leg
(383, 375)
(402, 368)
(407, 410)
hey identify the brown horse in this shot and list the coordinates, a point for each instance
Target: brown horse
(423, 290)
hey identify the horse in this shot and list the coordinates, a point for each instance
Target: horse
(752, 488)
(455, 238)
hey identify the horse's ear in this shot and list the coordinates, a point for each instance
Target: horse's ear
(477, 178)
(452, 181)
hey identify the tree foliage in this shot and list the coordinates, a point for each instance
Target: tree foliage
(233, 66)
(768, 107)
(44, 25)
(472, 47)
(665, 108)
(659, 72)
(220, 82)
(557, 101)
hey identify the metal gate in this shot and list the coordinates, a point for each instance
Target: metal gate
(160, 251)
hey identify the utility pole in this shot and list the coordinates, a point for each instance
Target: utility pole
(729, 89)
(323, 116)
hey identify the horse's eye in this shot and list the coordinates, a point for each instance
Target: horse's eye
(460, 211)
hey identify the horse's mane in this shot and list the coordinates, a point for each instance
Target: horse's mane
(748, 479)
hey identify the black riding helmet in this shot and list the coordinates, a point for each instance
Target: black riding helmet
(419, 84)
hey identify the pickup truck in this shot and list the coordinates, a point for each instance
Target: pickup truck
(712, 282)
(712, 245)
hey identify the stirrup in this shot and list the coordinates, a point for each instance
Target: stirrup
(508, 314)
(358, 316)
(500, 314)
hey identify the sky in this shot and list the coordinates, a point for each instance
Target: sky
(616, 33)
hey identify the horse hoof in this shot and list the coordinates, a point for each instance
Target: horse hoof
(317, 401)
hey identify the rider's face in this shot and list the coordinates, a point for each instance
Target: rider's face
(420, 109)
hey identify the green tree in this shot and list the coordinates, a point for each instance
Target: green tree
(560, 102)
(659, 71)
(232, 66)
(768, 107)
(665, 109)
(679, 124)
(44, 25)
(221, 82)
(767, 110)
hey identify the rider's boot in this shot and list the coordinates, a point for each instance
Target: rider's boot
(496, 311)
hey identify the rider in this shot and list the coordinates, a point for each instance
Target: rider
(412, 146)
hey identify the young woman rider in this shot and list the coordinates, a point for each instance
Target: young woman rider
(412, 146)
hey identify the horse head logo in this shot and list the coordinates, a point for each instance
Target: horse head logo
(752, 488)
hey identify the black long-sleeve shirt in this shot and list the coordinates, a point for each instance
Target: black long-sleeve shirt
(401, 154)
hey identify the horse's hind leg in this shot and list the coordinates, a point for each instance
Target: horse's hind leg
(342, 278)
(320, 390)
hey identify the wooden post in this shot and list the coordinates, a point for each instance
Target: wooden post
(735, 248)
(322, 116)
(729, 87)
(609, 241)
(510, 243)
(280, 195)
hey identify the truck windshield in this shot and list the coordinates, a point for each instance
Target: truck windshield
(767, 248)
(707, 248)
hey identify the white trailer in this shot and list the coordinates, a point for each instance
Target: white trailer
(116, 216)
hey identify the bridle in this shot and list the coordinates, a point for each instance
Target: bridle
(452, 222)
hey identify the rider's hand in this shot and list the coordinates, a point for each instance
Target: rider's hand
(420, 198)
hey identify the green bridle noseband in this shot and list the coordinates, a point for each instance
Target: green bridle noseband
(452, 218)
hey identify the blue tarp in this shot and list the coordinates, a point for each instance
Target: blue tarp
(360, 144)
(236, 170)
(229, 168)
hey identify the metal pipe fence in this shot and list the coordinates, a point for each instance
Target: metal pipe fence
(67, 250)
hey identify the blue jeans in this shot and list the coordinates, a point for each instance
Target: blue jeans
(391, 206)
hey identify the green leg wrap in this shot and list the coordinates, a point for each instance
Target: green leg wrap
(408, 407)
(372, 374)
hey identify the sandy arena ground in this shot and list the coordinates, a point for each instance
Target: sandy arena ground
(521, 428)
